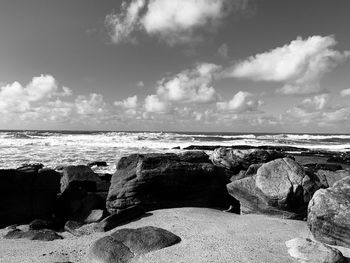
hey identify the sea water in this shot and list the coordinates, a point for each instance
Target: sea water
(54, 148)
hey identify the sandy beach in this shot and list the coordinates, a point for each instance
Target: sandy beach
(207, 235)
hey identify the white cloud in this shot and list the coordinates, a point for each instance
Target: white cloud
(345, 92)
(318, 102)
(190, 85)
(17, 98)
(128, 103)
(92, 105)
(174, 21)
(241, 102)
(122, 25)
(299, 64)
(154, 105)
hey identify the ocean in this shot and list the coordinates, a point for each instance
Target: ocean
(54, 148)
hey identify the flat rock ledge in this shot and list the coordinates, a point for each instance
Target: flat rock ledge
(125, 245)
(307, 251)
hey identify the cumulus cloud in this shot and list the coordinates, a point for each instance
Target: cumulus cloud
(153, 104)
(190, 85)
(317, 102)
(345, 92)
(299, 64)
(241, 102)
(17, 98)
(174, 21)
(128, 103)
(91, 105)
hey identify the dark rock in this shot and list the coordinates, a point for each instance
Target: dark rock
(120, 218)
(233, 160)
(43, 235)
(343, 158)
(157, 181)
(32, 167)
(28, 195)
(329, 213)
(125, 244)
(176, 148)
(39, 224)
(109, 250)
(98, 164)
(306, 250)
(95, 215)
(71, 226)
(79, 177)
(323, 166)
(276, 189)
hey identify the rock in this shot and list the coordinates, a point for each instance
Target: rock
(233, 160)
(77, 205)
(157, 181)
(125, 244)
(120, 218)
(79, 176)
(39, 224)
(323, 166)
(328, 178)
(98, 164)
(32, 167)
(95, 215)
(27, 195)
(109, 250)
(308, 251)
(276, 189)
(329, 213)
(43, 235)
(71, 226)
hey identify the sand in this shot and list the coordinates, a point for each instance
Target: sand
(208, 235)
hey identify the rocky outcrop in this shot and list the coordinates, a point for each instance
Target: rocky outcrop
(27, 194)
(329, 213)
(308, 251)
(168, 180)
(125, 244)
(81, 192)
(43, 235)
(328, 178)
(233, 160)
(276, 189)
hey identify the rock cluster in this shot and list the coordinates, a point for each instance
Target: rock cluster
(157, 181)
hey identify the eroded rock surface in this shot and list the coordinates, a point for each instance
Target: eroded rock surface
(329, 214)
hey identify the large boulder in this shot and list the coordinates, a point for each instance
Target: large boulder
(329, 213)
(328, 178)
(27, 194)
(42, 235)
(308, 251)
(157, 181)
(276, 189)
(234, 160)
(125, 244)
(81, 192)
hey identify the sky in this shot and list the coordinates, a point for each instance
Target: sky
(175, 65)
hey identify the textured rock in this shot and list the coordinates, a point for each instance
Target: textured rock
(328, 178)
(120, 218)
(329, 213)
(308, 251)
(43, 235)
(276, 189)
(39, 224)
(233, 160)
(125, 244)
(72, 226)
(27, 194)
(157, 181)
(79, 176)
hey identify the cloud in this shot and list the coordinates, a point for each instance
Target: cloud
(223, 50)
(128, 103)
(241, 102)
(17, 98)
(91, 105)
(173, 21)
(299, 64)
(190, 85)
(345, 92)
(153, 104)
